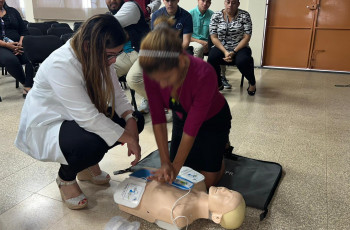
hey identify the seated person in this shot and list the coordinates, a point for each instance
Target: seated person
(162, 204)
(12, 56)
(148, 7)
(131, 18)
(230, 31)
(201, 19)
(183, 23)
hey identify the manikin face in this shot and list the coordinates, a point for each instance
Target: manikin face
(203, 5)
(112, 54)
(114, 5)
(166, 78)
(225, 194)
(231, 6)
(171, 6)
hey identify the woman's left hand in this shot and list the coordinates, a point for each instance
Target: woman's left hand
(166, 173)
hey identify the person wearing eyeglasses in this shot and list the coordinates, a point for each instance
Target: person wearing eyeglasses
(77, 110)
(12, 56)
(230, 31)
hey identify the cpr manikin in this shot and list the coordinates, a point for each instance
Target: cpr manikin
(172, 208)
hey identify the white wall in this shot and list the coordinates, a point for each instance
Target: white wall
(256, 8)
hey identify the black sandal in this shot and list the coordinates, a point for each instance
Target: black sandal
(251, 93)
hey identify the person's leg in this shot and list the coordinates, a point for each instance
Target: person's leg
(29, 71)
(197, 49)
(135, 79)
(12, 64)
(245, 63)
(123, 64)
(215, 58)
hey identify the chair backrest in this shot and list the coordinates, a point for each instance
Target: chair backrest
(49, 23)
(38, 48)
(77, 25)
(34, 31)
(65, 37)
(60, 25)
(58, 31)
(40, 25)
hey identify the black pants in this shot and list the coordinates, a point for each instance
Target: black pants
(243, 60)
(13, 64)
(83, 149)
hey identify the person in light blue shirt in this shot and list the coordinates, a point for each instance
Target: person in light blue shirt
(201, 19)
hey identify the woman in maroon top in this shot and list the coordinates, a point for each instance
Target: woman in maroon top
(201, 116)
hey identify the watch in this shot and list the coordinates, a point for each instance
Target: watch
(130, 115)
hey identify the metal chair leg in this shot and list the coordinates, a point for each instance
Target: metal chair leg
(133, 100)
(242, 80)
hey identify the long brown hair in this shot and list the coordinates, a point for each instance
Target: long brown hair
(162, 38)
(97, 34)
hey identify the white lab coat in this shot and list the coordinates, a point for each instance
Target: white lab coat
(59, 94)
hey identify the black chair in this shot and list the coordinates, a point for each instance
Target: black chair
(59, 31)
(65, 37)
(34, 31)
(76, 26)
(60, 25)
(122, 81)
(38, 48)
(25, 23)
(49, 23)
(40, 25)
(4, 72)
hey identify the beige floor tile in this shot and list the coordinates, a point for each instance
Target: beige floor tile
(36, 212)
(11, 196)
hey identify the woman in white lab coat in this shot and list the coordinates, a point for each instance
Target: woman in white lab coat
(76, 110)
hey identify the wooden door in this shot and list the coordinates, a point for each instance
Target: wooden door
(308, 34)
(331, 48)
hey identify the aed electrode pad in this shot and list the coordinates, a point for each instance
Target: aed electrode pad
(129, 192)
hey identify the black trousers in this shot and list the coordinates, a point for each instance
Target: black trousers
(243, 60)
(13, 64)
(83, 149)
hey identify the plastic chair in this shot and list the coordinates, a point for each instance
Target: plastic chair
(60, 25)
(77, 25)
(4, 72)
(40, 25)
(49, 23)
(38, 48)
(59, 31)
(34, 31)
(65, 37)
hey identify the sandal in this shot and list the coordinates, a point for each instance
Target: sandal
(78, 202)
(88, 175)
(251, 93)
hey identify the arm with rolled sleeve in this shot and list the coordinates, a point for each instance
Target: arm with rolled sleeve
(128, 14)
(154, 5)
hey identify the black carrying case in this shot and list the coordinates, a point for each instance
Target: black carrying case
(256, 180)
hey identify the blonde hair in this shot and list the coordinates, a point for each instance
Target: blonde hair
(97, 34)
(165, 39)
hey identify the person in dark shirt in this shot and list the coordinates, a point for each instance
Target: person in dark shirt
(12, 56)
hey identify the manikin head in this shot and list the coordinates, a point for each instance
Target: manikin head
(171, 6)
(203, 5)
(231, 6)
(226, 207)
(114, 5)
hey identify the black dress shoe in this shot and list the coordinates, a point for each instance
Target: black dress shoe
(251, 93)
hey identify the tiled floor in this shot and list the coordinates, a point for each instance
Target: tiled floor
(298, 119)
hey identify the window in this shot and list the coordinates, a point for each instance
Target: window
(77, 10)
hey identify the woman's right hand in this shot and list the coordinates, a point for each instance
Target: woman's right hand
(166, 173)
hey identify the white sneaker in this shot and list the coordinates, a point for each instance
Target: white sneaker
(144, 108)
(168, 115)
